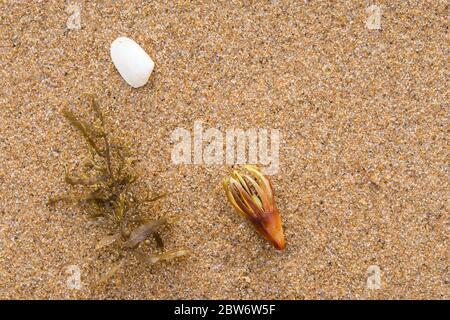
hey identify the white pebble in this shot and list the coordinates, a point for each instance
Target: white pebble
(132, 62)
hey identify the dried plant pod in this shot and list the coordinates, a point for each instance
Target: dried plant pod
(252, 196)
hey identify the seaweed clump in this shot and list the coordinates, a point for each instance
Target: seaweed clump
(108, 187)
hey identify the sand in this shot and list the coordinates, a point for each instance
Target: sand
(363, 176)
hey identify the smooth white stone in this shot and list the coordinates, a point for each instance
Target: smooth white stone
(132, 62)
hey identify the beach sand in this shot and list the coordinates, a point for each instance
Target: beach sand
(363, 117)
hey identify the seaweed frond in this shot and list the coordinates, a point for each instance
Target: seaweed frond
(110, 189)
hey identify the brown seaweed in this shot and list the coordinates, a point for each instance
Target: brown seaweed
(111, 190)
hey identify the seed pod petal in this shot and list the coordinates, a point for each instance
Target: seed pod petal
(252, 196)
